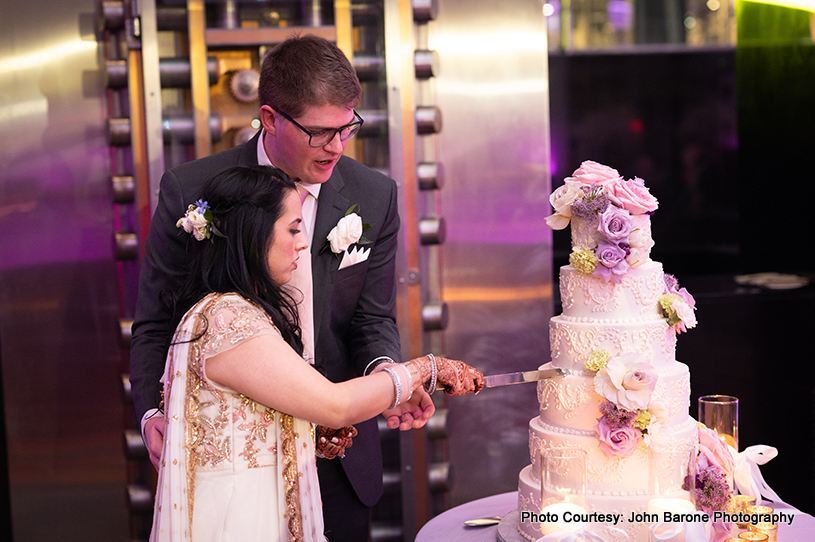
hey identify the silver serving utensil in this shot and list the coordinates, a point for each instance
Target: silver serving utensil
(493, 381)
(483, 522)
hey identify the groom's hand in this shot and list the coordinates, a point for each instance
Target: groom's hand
(412, 414)
(154, 438)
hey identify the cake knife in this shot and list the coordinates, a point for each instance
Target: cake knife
(505, 379)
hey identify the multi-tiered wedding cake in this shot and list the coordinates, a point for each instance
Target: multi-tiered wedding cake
(624, 390)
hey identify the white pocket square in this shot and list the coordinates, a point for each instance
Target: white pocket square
(354, 256)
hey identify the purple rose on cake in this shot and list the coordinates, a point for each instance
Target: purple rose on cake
(618, 442)
(615, 224)
(628, 380)
(611, 257)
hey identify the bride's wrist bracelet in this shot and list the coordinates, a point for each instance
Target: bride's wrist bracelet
(430, 385)
(397, 382)
(410, 382)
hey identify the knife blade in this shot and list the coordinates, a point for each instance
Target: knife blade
(506, 379)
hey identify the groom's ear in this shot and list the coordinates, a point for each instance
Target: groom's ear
(267, 119)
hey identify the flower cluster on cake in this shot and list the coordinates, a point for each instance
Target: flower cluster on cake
(623, 390)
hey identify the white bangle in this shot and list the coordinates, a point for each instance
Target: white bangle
(397, 382)
(375, 362)
(434, 373)
(410, 382)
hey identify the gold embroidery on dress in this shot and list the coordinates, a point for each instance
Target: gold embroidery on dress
(256, 431)
(291, 478)
(204, 442)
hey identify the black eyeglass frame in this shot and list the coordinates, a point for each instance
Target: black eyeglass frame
(354, 125)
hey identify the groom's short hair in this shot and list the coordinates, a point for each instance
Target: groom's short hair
(307, 70)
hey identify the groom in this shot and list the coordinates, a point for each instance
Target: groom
(307, 93)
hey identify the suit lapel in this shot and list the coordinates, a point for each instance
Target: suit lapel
(331, 207)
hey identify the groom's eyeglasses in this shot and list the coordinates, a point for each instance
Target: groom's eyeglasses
(321, 138)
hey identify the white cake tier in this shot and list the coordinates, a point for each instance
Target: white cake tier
(573, 340)
(610, 476)
(569, 404)
(614, 485)
(634, 298)
(529, 501)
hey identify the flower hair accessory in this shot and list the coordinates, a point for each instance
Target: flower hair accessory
(198, 221)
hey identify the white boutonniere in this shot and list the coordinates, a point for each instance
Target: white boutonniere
(347, 232)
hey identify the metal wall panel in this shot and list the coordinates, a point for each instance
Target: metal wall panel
(59, 301)
(492, 89)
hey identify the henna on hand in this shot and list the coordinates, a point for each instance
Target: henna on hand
(331, 443)
(458, 378)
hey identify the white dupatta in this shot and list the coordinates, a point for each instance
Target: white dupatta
(172, 513)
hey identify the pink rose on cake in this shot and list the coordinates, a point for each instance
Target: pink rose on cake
(632, 196)
(617, 442)
(628, 380)
(591, 172)
(561, 200)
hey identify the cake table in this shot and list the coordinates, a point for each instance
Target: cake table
(449, 526)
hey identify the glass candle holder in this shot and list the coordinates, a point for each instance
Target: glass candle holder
(770, 529)
(721, 413)
(758, 509)
(563, 489)
(738, 504)
(670, 474)
(753, 536)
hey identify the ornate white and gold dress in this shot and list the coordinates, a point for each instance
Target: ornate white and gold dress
(231, 469)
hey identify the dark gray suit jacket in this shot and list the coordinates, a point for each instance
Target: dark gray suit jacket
(353, 308)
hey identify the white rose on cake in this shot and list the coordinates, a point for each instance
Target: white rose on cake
(640, 242)
(561, 200)
(628, 380)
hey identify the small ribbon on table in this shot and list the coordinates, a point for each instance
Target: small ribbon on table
(748, 476)
(582, 534)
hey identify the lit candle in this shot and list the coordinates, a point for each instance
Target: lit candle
(738, 504)
(758, 509)
(562, 511)
(770, 529)
(753, 536)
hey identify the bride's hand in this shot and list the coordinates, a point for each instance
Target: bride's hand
(331, 443)
(458, 378)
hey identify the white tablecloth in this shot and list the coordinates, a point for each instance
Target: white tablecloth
(449, 526)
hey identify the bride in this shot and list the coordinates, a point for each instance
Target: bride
(245, 414)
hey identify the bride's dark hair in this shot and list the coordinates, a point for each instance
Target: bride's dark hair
(245, 202)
